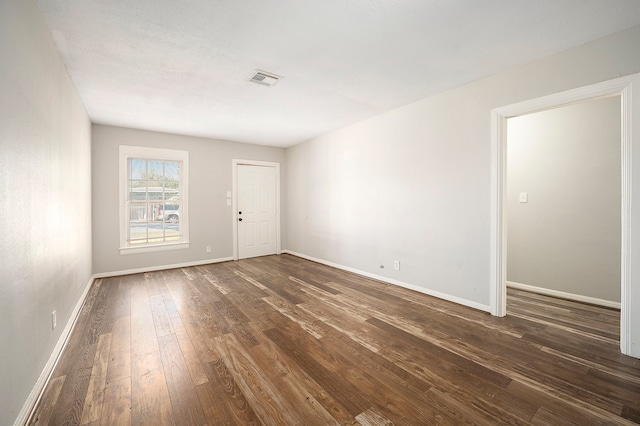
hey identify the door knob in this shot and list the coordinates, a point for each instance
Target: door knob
(239, 212)
(240, 220)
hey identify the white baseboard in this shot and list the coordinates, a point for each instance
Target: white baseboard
(36, 392)
(161, 267)
(563, 295)
(413, 287)
(38, 388)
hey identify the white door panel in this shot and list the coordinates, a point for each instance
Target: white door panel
(256, 210)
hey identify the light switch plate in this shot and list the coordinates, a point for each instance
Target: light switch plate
(524, 197)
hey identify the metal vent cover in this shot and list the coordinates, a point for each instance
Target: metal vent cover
(264, 78)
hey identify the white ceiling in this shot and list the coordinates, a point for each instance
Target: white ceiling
(182, 66)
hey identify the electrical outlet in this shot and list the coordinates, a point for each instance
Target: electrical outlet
(208, 249)
(54, 320)
(396, 265)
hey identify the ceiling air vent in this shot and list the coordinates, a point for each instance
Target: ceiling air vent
(264, 78)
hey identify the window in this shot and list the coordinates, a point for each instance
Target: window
(153, 199)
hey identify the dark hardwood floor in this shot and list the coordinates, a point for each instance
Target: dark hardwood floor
(283, 341)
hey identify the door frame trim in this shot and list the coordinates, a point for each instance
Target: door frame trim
(234, 199)
(498, 232)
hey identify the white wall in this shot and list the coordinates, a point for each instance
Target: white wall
(414, 184)
(209, 180)
(567, 236)
(45, 187)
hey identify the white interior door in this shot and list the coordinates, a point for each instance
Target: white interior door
(256, 215)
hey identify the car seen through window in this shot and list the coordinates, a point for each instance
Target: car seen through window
(168, 213)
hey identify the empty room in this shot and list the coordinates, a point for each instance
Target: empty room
(321, 212)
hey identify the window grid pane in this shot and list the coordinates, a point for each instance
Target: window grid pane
(154, 202)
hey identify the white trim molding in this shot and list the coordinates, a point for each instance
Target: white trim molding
(162, 267)
(234, 200)
(413, 287)
(125, 153)
(564, 295)
(630, 225)
(36, 392)
(38, 389)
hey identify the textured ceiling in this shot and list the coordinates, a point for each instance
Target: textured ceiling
(182, 66)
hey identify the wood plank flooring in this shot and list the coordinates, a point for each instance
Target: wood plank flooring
(283, 341)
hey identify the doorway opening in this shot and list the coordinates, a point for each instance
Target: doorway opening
(619, 87)
(563, 202)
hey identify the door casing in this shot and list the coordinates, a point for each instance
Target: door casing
(618, 87)
(234, 200)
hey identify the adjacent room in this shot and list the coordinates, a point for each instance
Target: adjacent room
(320, 212)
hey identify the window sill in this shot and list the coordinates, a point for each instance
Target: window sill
(153, 248)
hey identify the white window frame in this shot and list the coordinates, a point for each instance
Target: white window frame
(125, 153)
